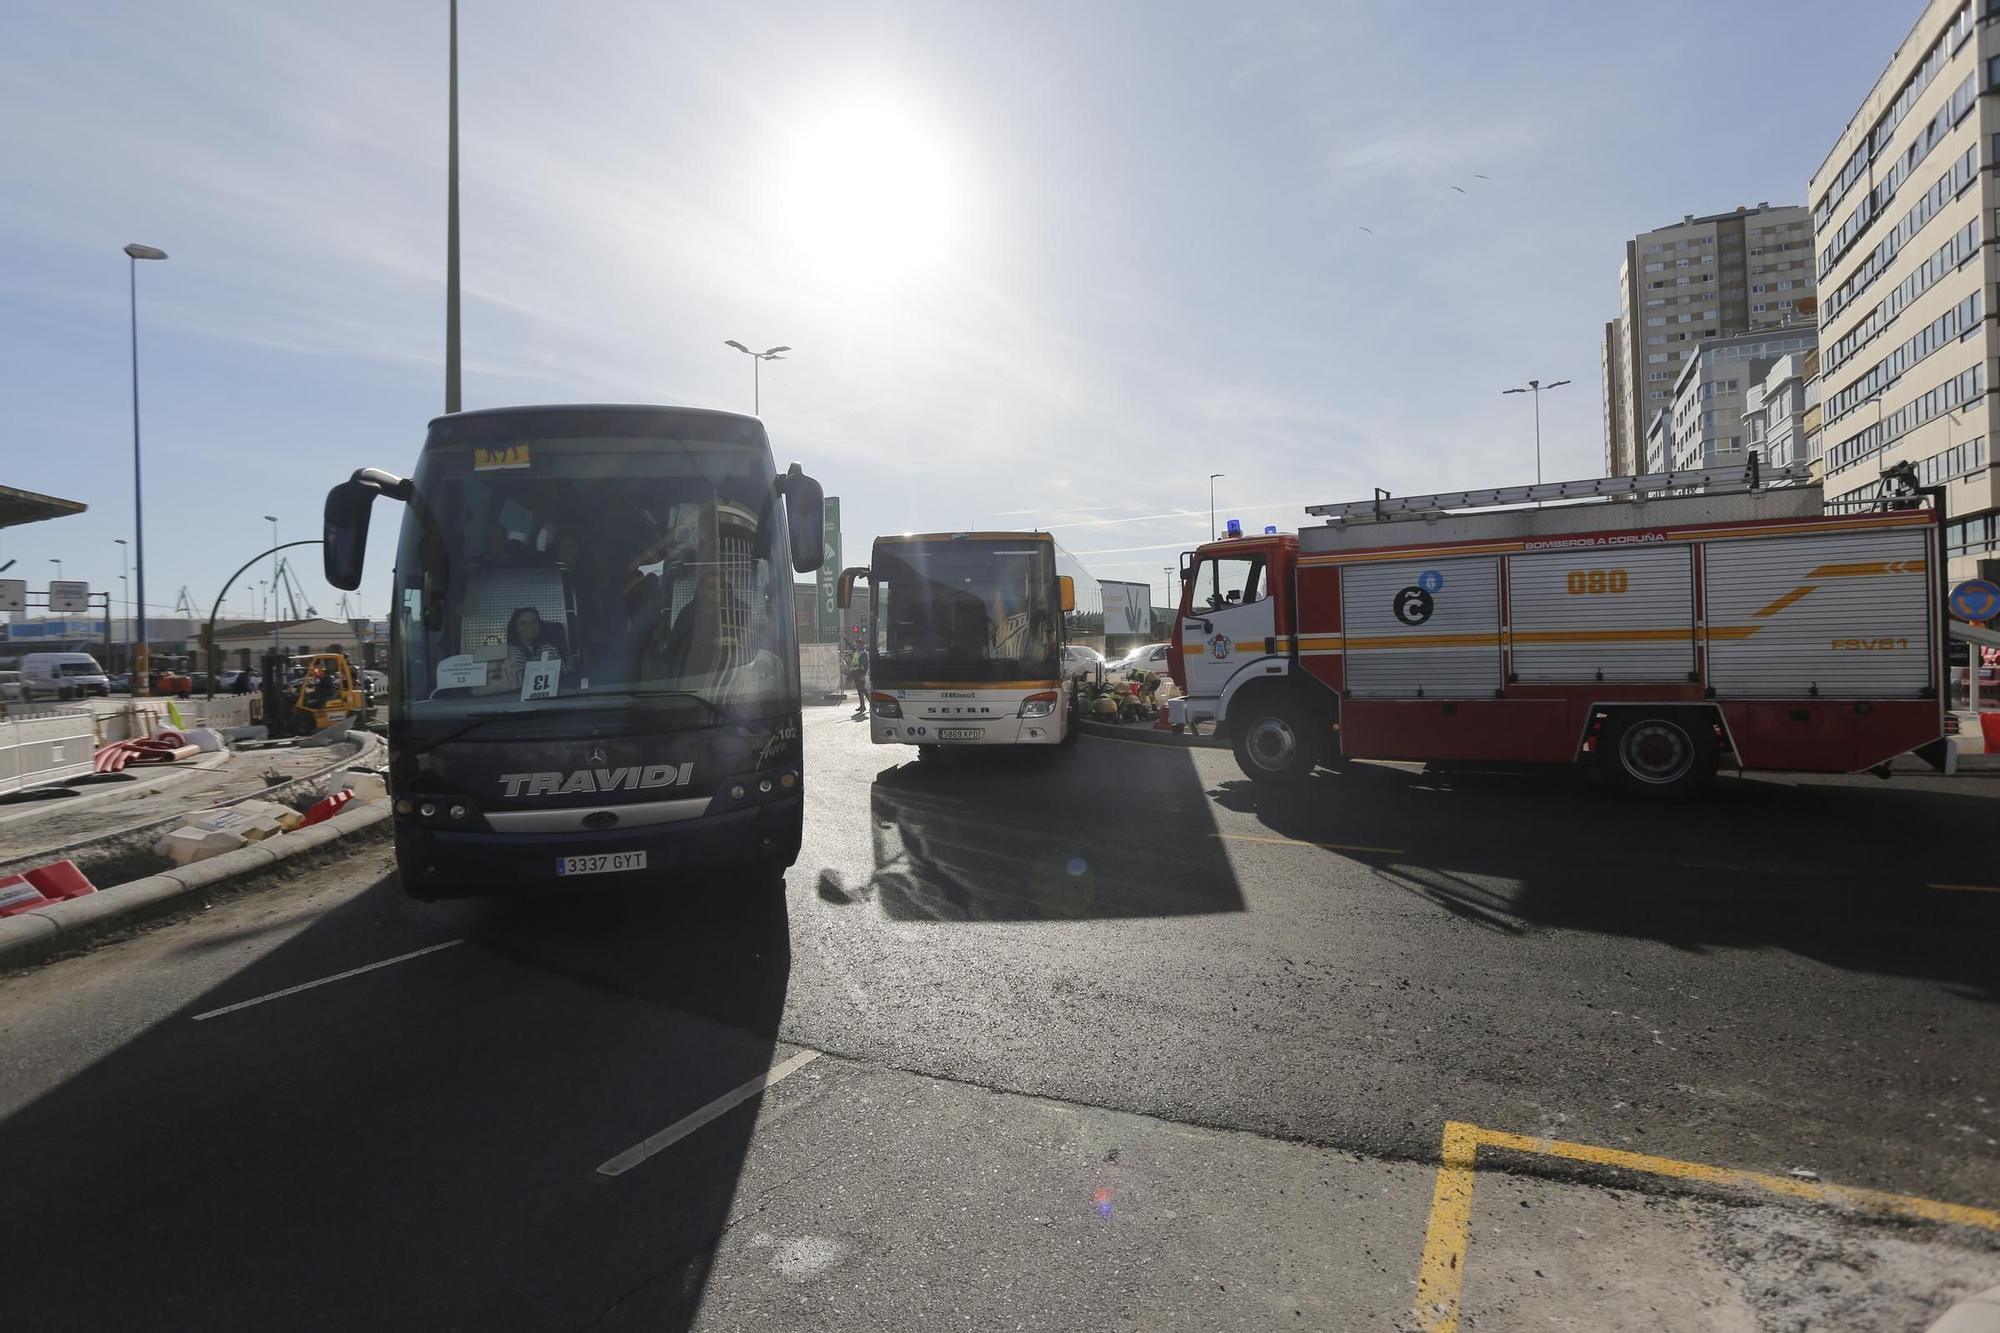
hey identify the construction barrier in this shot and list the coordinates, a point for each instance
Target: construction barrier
(46, 746)
(819, 670)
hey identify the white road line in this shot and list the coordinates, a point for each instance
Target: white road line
(687, 1125)
(338, 976)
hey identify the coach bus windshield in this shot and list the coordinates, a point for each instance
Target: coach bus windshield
(964, 610)
(593, 573)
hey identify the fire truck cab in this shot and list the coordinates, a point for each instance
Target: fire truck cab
(1706, 618)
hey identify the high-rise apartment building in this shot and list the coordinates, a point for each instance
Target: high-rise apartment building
(1701, 277)
(1903, 206)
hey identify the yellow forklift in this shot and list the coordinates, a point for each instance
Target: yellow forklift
(310, 693)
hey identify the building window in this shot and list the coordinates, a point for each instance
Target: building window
(1654, 267)
(1756, 289)
(1759, 308)
(1656, 339)
(1654, 358)
(1680, 263)
(1654, 248)
(1656, 321)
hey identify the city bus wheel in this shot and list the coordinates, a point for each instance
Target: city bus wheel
(1660, 756)
(1274, 739)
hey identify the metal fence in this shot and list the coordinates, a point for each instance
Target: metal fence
(819, 670)
(45, 746)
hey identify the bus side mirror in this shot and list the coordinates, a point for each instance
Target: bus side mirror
(347, 507)
(844, 594)
(805, 519)
(346, 532)
(1068, 586)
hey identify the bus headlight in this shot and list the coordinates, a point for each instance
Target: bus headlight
(1040, 705)
(885, 705)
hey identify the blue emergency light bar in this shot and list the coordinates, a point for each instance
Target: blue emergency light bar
(1270, 529)
(1234, 528)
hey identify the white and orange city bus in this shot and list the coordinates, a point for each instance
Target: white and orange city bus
(965, 636)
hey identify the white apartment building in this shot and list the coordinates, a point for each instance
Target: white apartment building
(1703, 425)
(1774, 410)
(1699, 278)
(1904, 208)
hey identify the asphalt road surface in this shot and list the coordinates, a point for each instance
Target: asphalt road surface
(1113, 1042)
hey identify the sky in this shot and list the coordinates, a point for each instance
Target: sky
(1041, 264)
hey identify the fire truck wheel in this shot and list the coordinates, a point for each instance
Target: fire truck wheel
(1663, 756)
(1274, 743)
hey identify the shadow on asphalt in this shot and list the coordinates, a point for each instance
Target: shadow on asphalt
(416, 1147)
(1836, 872)
(965, 835)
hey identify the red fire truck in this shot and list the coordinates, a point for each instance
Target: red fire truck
(1657, 630)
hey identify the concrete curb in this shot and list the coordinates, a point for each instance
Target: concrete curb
(1978, 1313)
(1145, 735)
(32, 936)
(365, 752)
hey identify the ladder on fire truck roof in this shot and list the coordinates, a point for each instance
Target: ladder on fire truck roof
(1712, 481)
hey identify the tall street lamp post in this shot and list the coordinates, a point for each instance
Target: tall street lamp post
(1535, 387)
(58, 564)
(135, 253)
(125, 587)
(1211, 502)
(757, 360)
(272, 519)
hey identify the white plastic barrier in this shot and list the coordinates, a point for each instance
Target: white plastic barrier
(819, 670)
(46, 746)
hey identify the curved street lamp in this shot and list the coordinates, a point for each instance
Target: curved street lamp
(1535, 387)
(756, 362)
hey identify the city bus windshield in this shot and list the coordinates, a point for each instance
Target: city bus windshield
(964, 610)
(612, 572)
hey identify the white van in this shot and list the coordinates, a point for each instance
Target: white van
(63, 676)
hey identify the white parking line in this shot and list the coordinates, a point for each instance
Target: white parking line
(687, 1125)
(338, 976)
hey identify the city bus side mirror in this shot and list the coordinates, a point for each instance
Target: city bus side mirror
(346, 532)
(805, 519)
(1068, 586)
(844, 594)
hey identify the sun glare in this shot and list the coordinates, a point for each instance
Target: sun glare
(865, 195)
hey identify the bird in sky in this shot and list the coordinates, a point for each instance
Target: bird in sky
(1459, 188)
(1476, 176)
(1369, 230)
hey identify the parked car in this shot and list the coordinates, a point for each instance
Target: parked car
(11, 688)
(121, 682)
(229, 683)
(1080, 659)
(1146, 657)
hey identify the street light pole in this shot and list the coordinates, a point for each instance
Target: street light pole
(58, 564)
(1211, 502)
(1535, 387)
(277, 649)
(136, 252)
(756, 362)
(124, 584)
(451, 362)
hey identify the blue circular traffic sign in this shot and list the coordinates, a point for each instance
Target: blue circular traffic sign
(1976, 599)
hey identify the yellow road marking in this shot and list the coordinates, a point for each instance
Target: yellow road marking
(1441, 1275)
(1441, 1272)
(1300, 842)
(1968, 888)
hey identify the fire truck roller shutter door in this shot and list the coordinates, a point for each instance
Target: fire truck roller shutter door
(1425, 628)
(1844, 614)
(1602, 613)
